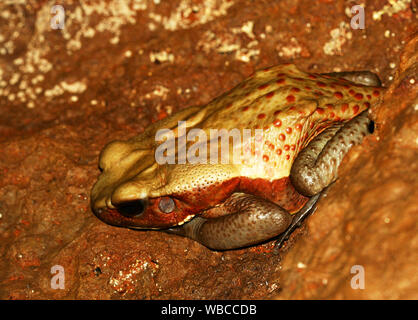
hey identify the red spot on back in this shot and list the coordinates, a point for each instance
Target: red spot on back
(265, 158)
(295, 90)
(279, 152)
(263, 86)
(286, 147)
(358, 96)
(329, 106)
(277, 123)
(376, 93)
(276, 112)
(352, 92)
(287, 157)
(344, 107)
(312, 76)
(369, 96)
(280, 81)
(281, 75)
(261, 116)
(245, 108)
(298, 127)
(290, 98)
(356, 108)
(270, 94)
(338, 95)
(320, 110)
(282, 137)
(321, 84)
(289, 130)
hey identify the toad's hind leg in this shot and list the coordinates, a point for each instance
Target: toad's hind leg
(316, 166)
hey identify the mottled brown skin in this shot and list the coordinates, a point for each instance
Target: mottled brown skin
(306, 132)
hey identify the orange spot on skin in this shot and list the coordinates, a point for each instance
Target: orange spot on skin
(338, 95)
(321, 84)
(277, 112)
(367, 104)
(290, 98)
(376, 93)
(277, 123)
(286, 147)
(320, 110)
(261, 116)
(329, 106)
(280, 75)
(295, 90)
(282, 137)
(358, 96)
(263, 86)
(293, 108)
(298, 127)
(369, 96)
(289, 130)
(344, 107)
(352, 92)
(270, 94)
(332, 115)
(356, 109)
(280, 81)
(279, 152)
(245, 108)
(265, 158)
(312, 76)
(293, 147)
(287, 157)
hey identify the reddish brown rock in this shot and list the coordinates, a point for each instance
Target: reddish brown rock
(113, 70)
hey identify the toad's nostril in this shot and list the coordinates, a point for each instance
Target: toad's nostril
(132, 208)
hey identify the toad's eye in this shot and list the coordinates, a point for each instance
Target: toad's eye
(132, 209)
(167, 205)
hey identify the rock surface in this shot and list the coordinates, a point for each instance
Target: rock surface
(118, 66)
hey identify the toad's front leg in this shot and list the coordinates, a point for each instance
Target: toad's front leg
(316, 166)
(243, 220)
